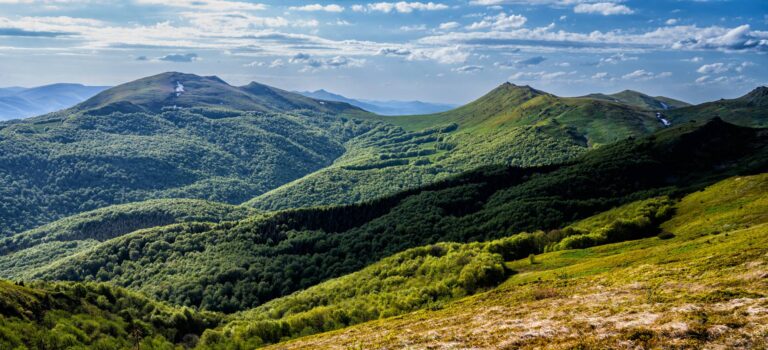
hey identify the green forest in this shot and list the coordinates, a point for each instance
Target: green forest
(247, 217)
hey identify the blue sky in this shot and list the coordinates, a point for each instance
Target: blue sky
(442, 51)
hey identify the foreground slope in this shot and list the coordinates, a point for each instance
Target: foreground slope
(421, 278)
(699, 284)
(77, 160)
(234, 266)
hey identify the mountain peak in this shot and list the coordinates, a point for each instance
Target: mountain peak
(153, 93)
(757, 97)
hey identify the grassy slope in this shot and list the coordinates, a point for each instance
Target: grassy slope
(34, 248)
(511, 125)
(641, 100)
(749, 110)
(704, 286)
(419, 278)
(240, 265)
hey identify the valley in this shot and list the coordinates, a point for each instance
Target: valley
(197, 213)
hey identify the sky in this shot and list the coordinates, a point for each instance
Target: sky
(439, 51)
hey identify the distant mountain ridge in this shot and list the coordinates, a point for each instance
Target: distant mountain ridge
(19, 102)
(389, 108)
(639, 99)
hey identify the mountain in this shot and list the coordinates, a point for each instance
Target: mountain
(641, 100)
(16, 102)
(511, 125)
(237, 265)
(750, 109)
(80, 159)
(697, 284)
(180, 90)
(389, 108)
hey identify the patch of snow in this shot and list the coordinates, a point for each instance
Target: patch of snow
(664, 105)
(179, 89)
(663, 120)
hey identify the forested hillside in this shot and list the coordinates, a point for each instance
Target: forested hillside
(24, 252)
(93, 316)
(234, 266)
(62, 164)
(700, 283)
(511, 125)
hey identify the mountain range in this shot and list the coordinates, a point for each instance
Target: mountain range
(17, 102)
(179, 210)
(389, 108)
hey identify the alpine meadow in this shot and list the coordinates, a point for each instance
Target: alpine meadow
(451, 174)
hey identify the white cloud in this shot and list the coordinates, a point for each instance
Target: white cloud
(533, 76)
(642, 74)
(468, 69)
(663, 38)
(446, 55)
(277, 63)
(695, 59)
(719, 68)
(603, 8)
(313, 64)
(209, 5)
(713, 68)
(671, 21)
(601, 76)
(414, 28)
(389, 51)
(499, 22)
(400, 7)
(449, 25)
(318, 7)
(254, 64)
(616, 58)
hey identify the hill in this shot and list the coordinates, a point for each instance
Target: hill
(700, 284)
(237, 265)
(749, 110)
(16, 103)
(389, 108)
(511, 125)
(73, 161)
(179, 90)
(29, 250)
(641, 100)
